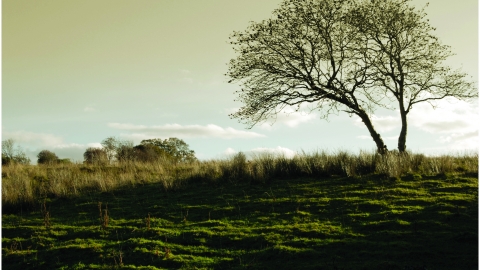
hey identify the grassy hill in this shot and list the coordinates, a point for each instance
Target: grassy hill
(369, 221)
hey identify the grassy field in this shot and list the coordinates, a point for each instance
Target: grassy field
(340, 221)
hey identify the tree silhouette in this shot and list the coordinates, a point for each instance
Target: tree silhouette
(307, 53)
(352, 56)
(406, 58)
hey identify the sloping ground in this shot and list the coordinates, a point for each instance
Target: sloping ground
(306, 223)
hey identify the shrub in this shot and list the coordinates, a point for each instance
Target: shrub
(95, 156)
(126, 153)
(47, 157)
(150, 153)
(65, 161)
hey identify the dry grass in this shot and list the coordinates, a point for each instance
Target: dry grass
(29, 184)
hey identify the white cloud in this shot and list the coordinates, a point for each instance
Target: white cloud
(381, 123)
(32, 138)
(139, 132)
(288, 153)
(451, 116)
(229, 151)
(288, 117)
(460, 141)
(454, 121)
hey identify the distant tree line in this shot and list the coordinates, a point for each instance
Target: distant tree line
(113, 150)
(153, 150)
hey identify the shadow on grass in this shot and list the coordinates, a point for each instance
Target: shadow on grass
(306, 223)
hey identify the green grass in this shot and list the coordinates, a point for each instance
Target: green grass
(375, 221)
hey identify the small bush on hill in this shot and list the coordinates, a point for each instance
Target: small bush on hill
(47, 157)
(95, 156)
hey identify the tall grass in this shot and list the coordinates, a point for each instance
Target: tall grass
(24, 185)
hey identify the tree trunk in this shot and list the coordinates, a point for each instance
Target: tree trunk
(381, 147)
(402, 139)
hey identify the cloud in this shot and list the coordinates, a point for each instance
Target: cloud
(229, 151)
(451, 116)
(32, 138)
(460, 141)
(140, 132)
(288, 153)
(382, 123)
(288, 117)
(454, 121)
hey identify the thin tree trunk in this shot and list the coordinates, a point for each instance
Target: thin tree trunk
(402, 138)
(381, 147)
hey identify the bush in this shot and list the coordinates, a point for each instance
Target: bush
(47, 157)
(126, 153)
(95, 156)
(150, 153)
(65, 161)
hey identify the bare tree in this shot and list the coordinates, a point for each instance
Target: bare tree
(307, 53)
(12, 154)
(110, 146)
(406, 58)
(8, 150)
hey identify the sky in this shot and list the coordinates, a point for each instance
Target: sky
(76, 72)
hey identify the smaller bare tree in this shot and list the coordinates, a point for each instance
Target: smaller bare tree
(12, 154)
(406, 58)
(110, 146)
